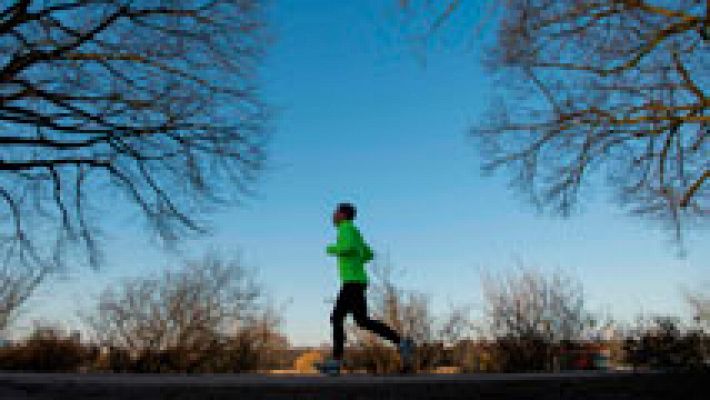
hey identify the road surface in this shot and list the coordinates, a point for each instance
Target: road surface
(572, 385)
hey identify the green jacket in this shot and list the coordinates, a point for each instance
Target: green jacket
(352, 253)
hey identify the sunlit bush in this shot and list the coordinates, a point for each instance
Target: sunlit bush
(206, 316)
(304, 364)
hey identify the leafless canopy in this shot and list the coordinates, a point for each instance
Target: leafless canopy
(17, 283)
(105, 102)
(614, 87)
(185, 308)
(531, 305)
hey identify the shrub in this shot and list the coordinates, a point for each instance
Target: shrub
(305, 362)
(206, 316)
(374, 357)
(47, 349)
(663, 345)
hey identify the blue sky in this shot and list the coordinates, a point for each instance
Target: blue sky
(361, 118)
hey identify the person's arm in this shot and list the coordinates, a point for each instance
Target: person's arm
(346, 244)
(367, 254)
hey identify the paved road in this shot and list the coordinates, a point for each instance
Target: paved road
(572, 385)
(285, 379)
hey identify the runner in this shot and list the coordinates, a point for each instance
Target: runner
(352, 253)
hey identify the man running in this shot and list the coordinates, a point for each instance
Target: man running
(352, 253)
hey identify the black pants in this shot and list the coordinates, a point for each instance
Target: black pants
(351, 299)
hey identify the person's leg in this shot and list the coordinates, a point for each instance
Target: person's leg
(337, 318)
(359, 310)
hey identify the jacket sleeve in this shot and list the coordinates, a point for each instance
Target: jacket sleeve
(346, 244)
(367, 254)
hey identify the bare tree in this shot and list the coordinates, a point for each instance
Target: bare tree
(205, 312)
(103, 102)
(533, 315)
(16, 286)
(529, 304)
(612, 87)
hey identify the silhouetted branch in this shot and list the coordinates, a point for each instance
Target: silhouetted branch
(157, 100)
(590, 87)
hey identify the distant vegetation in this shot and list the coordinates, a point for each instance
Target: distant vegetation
(210, 315)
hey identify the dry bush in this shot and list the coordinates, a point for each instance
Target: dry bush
(662, 343)
(528, 304)
(529, 313)
(410, 314)
(373, 356)
(207, 316)
(46, 349)
(304, 364)
(521, 355)
(258, 344)
(475, 356)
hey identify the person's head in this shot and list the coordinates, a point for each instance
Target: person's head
(344, 212)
